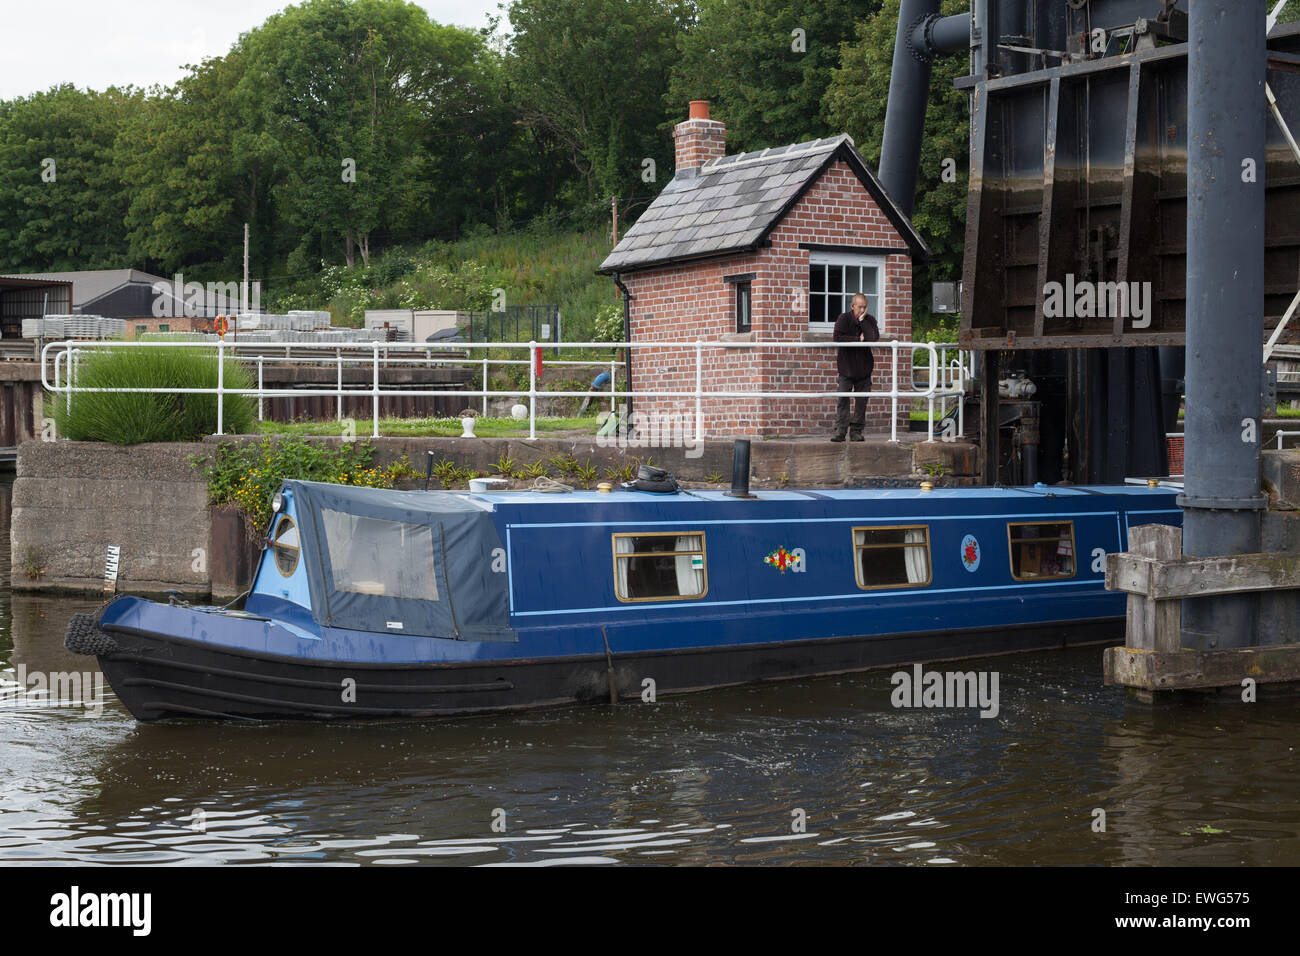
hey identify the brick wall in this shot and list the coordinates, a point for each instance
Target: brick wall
(697, 141)
(689, 302)
(174, 324)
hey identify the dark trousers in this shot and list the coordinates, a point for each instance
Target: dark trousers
(842, 421)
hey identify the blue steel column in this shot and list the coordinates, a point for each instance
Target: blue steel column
(1225, 304)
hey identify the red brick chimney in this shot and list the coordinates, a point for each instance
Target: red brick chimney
(699, 139)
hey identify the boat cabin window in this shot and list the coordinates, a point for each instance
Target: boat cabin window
(893, 557)
(380, 557)
(1040, 551)
(284, 545)
(663, 566)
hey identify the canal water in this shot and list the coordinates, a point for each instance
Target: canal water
(821, 771)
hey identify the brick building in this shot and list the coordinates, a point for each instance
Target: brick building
(766, 246)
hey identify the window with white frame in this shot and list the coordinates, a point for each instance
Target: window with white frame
(834, 278)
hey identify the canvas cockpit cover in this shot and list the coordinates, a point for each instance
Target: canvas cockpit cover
(417, 563)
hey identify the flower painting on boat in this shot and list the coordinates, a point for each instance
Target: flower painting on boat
(782, 559)
(970, 553)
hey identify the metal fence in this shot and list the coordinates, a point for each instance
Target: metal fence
(517, 319)
(942, 376)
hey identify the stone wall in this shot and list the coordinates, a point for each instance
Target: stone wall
(773, 464)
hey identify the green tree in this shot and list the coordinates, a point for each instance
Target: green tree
(764, 65)
(591, 74)
(350, 90)
(855, 103)
(477, 162)
(199, 167)
(62, 200)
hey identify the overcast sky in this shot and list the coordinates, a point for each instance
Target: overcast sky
(103, 43)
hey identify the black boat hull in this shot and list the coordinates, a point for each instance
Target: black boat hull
(159, 677)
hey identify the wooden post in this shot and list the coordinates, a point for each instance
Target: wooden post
(1157, 579)
(1154, 625)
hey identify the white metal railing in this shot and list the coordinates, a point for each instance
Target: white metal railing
(946, 378)
(317, 356)
(956, 368)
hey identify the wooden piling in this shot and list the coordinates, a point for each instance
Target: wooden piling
(1157, 579)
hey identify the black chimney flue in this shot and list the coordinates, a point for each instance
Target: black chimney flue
(740, 470)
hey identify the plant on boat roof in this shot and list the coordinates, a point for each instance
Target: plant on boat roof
(624, 472)
(248, 475)
(444, 471)
(586, 473)
(450, 474)
(565, 464)
(505, 465)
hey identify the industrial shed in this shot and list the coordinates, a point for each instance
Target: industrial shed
(25, 297)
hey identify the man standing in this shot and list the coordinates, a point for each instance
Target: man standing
(855, 366)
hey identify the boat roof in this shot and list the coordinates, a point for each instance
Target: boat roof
(348, 498)
(1020, 493)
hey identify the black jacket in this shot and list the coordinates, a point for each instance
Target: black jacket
(855, 363)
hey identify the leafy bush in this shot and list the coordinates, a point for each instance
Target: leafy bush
(466, 286)
(248, 476)
(392, 267)
(608, 325)
(134, 417)
(936, 327)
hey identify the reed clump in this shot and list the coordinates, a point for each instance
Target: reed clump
(131, 418)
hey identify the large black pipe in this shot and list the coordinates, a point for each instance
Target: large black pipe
(1011, 26)
(942, 35)
(1225, 304)
(922, 35)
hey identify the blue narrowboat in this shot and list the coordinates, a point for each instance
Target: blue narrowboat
(370, 603)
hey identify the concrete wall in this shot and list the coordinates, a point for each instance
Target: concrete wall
(71, 500)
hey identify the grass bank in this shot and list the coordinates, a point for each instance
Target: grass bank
(537, 265)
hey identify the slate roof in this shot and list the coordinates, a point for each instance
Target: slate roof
(89, 285)
(730, 204)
